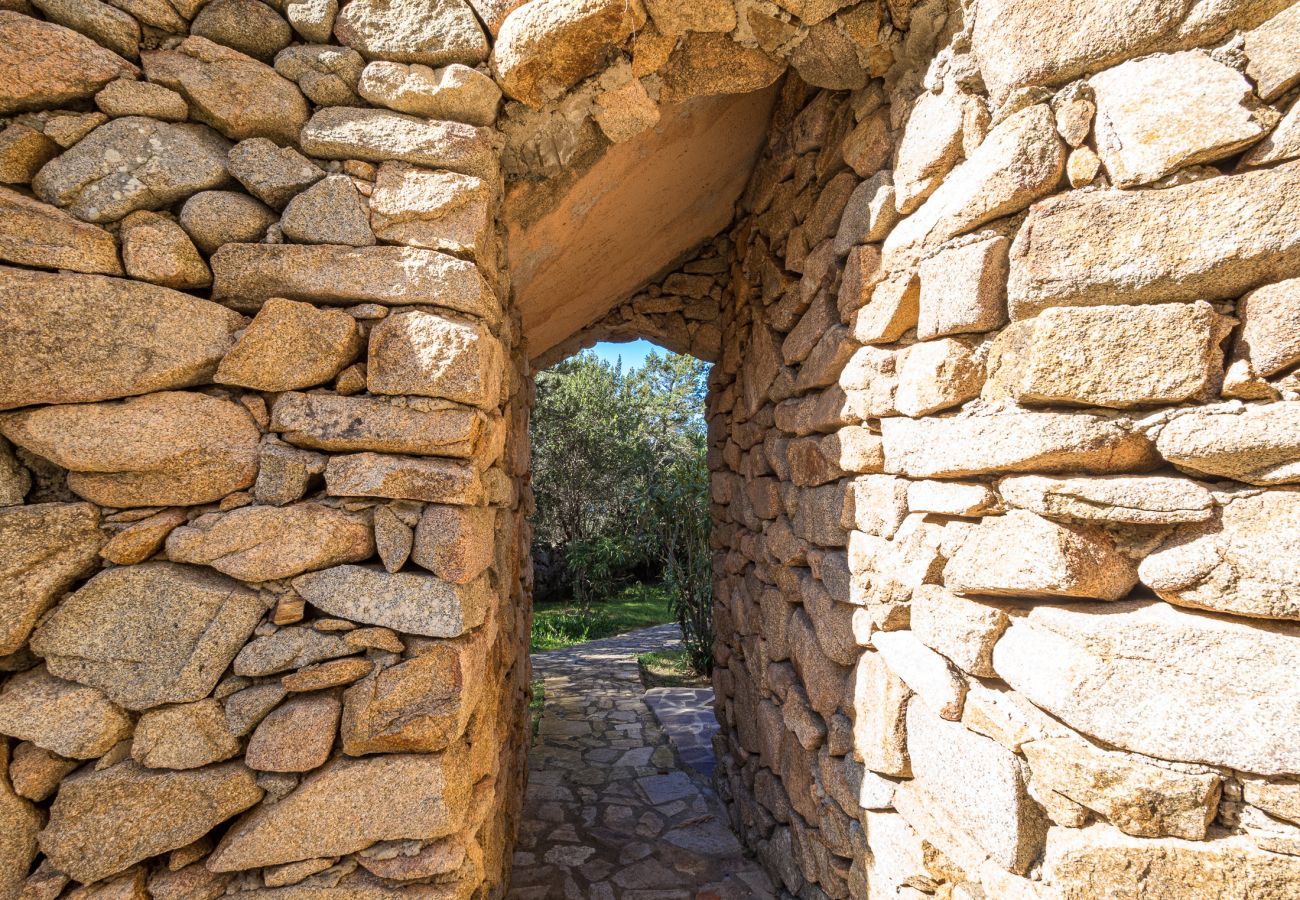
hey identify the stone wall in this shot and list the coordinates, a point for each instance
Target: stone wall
(1002, 436)
(1002, 443)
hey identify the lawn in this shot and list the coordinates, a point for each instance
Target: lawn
(669, 668)
(560, 625)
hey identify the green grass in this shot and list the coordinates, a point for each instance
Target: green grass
(535, 705)
(560, 625)
(669, 668)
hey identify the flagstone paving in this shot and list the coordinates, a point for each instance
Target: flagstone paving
(611, 811)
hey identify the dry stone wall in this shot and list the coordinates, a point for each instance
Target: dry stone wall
(1003, 440)
(1002, 465)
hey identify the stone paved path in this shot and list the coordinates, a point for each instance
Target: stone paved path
(611, 812)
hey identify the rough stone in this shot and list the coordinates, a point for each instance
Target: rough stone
(169, 449)
(313, 19)
(430, 355)
(1270, 327)
(331, 211)
(290, 345)
(244, 709)
(133, 163)
(1110, 673)
(931, 144)
(213, 218)
(892, 311)
(939, 374)
(23, 151)
(403, 478)
(1254, 443)
(1207, 240)
(36, 234)
(1130, 499)
(272, 174)
(289, 648)
(247, 274)
(435, 210)
(454, 542)
(141, 98)
(978, 788)
(1012, 441)
(454, 93)
(157, 250)
(36, 773)
(938, 685)
(544, 48)
(246, 26)
(98, 21)
(963, 629)
(1024, 555)
(963, 289)
(1270, 61)
(323, 676)
(869, 214)
(46, 547)
(297, 736)
(879, 720)
(327, 75)
(704, 64)
(184, 736)
(377, 135)
(347, 424)
(435, 34)
(101, 822)
(333, 811)
(404, 601)
(18, 847)
(149, 634)
(46, 65)
(1113, 356)
(265, 543)
(63, 717)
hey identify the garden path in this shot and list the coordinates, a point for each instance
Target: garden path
(611, 811)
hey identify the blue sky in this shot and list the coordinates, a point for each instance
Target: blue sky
(633, 352)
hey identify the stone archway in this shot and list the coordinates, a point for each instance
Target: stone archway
(1002, 430)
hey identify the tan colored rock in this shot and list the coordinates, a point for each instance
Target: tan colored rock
(1014, 441)
(297, 736)
(1270, 62)
(67, 127)
(677, 17)
(36, 773)
(149, 634)
(429, 355)
(1024, 555)
(977, 788)
(377, 135)
(1281, 800)
(879, 721)
(323, 676)
(102, 23)
(103, 821)
(331, 211)
(892, 310)
(409, 602)
(333, 811)
(244, 709)
(1238, 562)
(37, 234)
(141, 540)
(247, 274)
(393, 538)
(1082, 167)
(169, 449)
(129, 338)
(705, 64)
(285, 473)
(400, 425)
(213, 218)
(1161, 113)
(963, 289)
(1282, 144)
(931, 144)
(434, 210)
(290, 345)
(326, 74)
(1206, 240)
(293, 873)
(1114, 356)
(289, 648)
(962, 629)
(69, 719)
(1270, 327)
(141, 98)
(46, 65)
(272, 174)
(870, 213)
(184, 736)
(543, 49)
(18, 839)
(44, 549)
(1021, 160)
(235, 94)
(246, 26)
(951, 498)
(265, 543)
(23, 151)
(454, 542)
(1021, 44)
(420, 705)
(939, 374)
(454, 93)
(1101, 860)
(1138, 797)
(436, 34)
(133, 163)
(1110, 672)
(868, 146)
(403, 478)
(192, 882)
(935, 681)
(1131, 499)
(1255, 443)
(157, 250)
